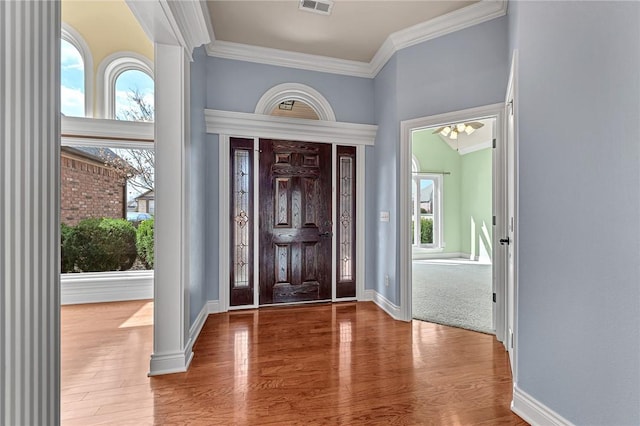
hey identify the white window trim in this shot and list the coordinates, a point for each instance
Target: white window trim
(108, 286)
(69, 34)
(437, 210)
(108, 72)
(297, 92)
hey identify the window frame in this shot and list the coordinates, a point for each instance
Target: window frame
(72, 36)
(437, 210)
(108, 72)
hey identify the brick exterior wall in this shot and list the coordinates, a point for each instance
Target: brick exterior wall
(89, 189)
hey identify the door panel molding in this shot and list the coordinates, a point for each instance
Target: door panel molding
(295, 250)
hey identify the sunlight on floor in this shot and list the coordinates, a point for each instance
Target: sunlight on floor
(142, 317)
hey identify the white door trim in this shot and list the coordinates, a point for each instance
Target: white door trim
(406, 129)
(243, 125)
(298, 129)
(511, 298)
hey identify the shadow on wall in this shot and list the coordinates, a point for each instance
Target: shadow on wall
(481, 244)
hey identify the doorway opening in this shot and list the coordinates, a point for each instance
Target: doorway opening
(451, 224)
(487, 229)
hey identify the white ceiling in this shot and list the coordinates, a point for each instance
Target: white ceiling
(355, 30)
(480, 139)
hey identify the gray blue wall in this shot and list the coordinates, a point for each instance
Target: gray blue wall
(462, 70)
(579, 172)
(197, 208)
(238, 85)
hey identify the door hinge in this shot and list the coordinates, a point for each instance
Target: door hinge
(511, 338)
(494, 221)
(494, 298)
(494, 143)
(510, 104)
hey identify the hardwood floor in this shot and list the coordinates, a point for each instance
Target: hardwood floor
(347, 364)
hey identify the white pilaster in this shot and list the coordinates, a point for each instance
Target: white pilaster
(29, 206)
(171, 345)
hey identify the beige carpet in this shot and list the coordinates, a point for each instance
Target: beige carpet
(453, 292)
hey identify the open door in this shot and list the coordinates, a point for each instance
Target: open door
(510, 240)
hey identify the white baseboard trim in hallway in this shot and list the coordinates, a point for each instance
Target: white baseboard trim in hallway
(534, 412)
(382, 302)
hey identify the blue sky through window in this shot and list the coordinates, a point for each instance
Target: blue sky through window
(72, 80)
(128, 82)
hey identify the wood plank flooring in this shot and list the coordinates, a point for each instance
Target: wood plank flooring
(341, 364)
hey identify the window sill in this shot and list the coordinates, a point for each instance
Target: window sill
(98, 287)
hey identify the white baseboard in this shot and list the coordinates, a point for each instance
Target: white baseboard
(197, 325)
(98, 287)
(213, 307)
(534, 412)
(169, 363)
(383, 303)
(439, 255)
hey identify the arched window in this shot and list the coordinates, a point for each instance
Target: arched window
(120, 76)
(134, 96)
(76, 72)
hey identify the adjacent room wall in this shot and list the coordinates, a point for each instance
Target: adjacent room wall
(467, 198)
(579, 232)
(434, 154)
(476, 209)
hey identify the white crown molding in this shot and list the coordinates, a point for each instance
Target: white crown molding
(193, 23)
(285, 58)
(474, 14)
(183, 23)
(267, 126)
(535, 412)
(101, 129)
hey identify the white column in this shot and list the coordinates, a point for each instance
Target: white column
(29, 206)
(172, 348)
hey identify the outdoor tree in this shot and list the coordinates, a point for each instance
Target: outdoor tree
(137, 165)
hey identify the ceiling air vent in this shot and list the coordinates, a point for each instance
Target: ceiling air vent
(317, 6)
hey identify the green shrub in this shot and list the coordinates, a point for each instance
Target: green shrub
(144, 243)
(426, 231)
(67, 255)
(99, 245)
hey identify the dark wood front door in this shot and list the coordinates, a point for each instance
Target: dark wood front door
(295, 221)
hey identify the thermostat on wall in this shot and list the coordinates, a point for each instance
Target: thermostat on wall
(384, 216)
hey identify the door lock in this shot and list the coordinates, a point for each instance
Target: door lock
(505, 241)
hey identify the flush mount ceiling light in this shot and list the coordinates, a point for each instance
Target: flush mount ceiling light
(322, 7)
(452, 131)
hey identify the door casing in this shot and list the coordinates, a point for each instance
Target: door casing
(499, 176)
(227, 124)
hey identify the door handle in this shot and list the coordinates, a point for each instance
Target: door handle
(505, 241)
(326, 235)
